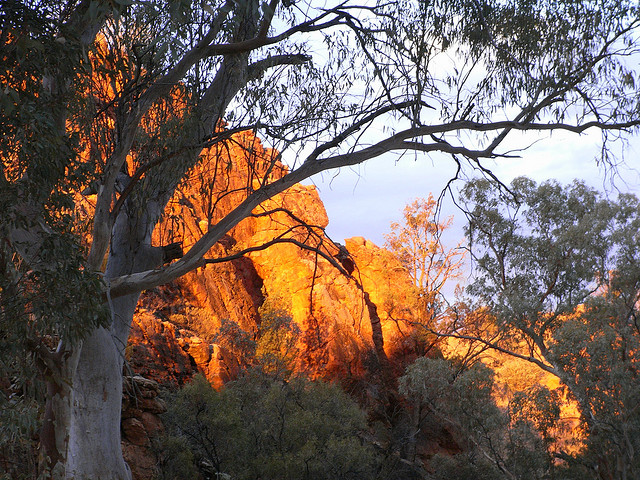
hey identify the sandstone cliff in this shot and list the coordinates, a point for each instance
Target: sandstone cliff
(352, 304)
(173, 335)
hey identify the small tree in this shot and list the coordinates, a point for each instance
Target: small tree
(277, 347)
(417, 241)
(272, 349)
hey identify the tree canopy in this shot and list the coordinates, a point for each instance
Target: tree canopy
(259, 427)
(557, 269)
(419, 246)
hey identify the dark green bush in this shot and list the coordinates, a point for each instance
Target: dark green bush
(260, 427)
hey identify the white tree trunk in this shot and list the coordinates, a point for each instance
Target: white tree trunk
(95, 450)
(54, 433)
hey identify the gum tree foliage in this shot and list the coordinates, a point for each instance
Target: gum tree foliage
(495, 443)
(119, 98)
(272, 350)
(558, 267)
(417, 242)
(262, 427)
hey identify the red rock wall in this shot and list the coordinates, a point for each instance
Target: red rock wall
(327, 306)
(174, 329)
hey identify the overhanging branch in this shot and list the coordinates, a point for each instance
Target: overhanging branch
(494, 346)
(257, 69)
(401, 141)
(276, 241)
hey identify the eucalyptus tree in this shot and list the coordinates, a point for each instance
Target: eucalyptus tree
(328, 86)
(558, 268)
(417, 242)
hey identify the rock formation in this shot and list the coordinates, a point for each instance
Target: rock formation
(324, 288)
(325, 303)
(141, 406)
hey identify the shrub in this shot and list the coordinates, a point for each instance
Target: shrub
(261, 427)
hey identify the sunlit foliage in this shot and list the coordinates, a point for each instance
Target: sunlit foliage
(417, 241)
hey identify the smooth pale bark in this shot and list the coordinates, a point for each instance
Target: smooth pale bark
(54, 433)
(95, 450)
(94, 435)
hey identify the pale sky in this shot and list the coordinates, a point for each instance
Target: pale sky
(364, 200)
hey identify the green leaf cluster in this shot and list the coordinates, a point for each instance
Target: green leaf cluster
(272, 349)
(260, 427)
(559, 268)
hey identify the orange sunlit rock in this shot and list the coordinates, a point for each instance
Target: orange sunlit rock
(327, 307)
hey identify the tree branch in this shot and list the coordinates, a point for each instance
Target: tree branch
(257, 69)
(494, 346)
(193, 258)
(263, 41)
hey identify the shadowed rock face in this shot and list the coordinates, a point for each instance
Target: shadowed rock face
(141, 406)
(155, 351)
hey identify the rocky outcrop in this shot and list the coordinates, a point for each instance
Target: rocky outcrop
(154, 351)
(217, 365)
(162, 352)
(328, 290)
(298, 272)
(392, 290)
